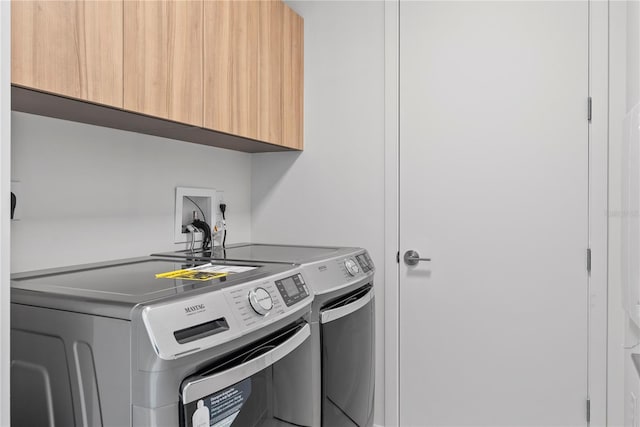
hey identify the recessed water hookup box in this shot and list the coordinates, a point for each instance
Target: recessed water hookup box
(202, 201)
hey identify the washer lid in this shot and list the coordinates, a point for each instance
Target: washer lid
(137, 280)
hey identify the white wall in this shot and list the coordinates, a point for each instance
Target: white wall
(630, 93)
(93, 194)
(333, 192)
(633, 53)
(617, 109)
(5, 165)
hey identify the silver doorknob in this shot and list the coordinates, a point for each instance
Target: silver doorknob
(413, 257)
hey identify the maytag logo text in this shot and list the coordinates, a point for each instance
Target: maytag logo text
(194, 308)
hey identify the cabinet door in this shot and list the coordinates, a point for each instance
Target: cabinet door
(293, 80)
(270, 67)
(163, 59)
(231, 67)
(71, 48)
(243, 68)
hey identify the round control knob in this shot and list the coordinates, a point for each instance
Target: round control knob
(352, 267)
(260, 301)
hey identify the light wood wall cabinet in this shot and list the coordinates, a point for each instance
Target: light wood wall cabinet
(163, 59)
(270, 71)
(72, 48)
(244, 69)
(222, 73)
(293, 81)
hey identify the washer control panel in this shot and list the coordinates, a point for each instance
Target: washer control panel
(184, 326)
(292, 289)
(260, 301)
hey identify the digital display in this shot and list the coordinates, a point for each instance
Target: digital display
(292, 289)
(290, 286)
(364, 263)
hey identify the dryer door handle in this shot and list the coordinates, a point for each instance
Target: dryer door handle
(197, 389)
(336, 313)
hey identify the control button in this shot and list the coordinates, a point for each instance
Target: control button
(352, 267)
(260, 301)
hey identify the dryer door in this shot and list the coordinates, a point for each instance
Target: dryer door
(239, 390)
(348, 363)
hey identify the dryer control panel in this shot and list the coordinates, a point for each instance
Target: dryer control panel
(181, 327)
(356, 265)
(366, 264)
(328, 275)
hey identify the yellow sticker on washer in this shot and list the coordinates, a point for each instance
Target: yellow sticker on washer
(190, 274)
(205, 272)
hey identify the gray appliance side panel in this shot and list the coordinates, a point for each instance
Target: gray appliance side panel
(78, 363)
(40, 387)
(72, 303)
(165, 416)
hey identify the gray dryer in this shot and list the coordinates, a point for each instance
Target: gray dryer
(342, 323)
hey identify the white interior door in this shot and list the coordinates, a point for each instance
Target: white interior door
(494, 189)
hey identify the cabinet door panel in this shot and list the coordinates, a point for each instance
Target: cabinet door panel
(231, 67)
(293, 80)
(270, 70)
(163, 59)
(72, 48)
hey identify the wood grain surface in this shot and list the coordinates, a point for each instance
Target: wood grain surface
(73, 48)
(163, 59)
(293, 80)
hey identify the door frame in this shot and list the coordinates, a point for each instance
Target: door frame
(5, 189)
(598, 212)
